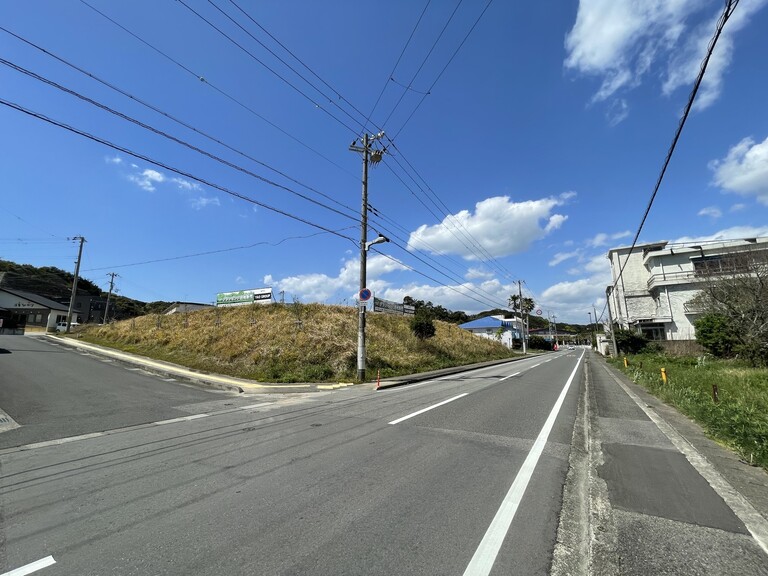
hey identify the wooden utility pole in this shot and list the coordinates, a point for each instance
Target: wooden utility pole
(74, 283)
(109, 295)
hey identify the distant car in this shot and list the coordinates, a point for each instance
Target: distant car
(62, 326)
(571, 347)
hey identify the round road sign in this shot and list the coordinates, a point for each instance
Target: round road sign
(538, 312)
(364, 295)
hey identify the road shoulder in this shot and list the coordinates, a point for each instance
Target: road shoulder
(648, 492)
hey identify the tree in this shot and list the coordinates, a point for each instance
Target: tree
(422, 326)
(630, 342)
(735, 287)
(716, 333)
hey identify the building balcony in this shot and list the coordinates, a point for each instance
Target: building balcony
(672, 279)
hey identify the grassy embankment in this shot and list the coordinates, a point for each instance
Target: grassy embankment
(294, 343)
(739, 419)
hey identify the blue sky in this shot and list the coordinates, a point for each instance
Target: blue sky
(535, 151)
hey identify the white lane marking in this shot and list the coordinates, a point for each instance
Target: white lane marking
(33, 567)
(428, 408)
(182, 419)
(510, 376)
(749, 516)
(485, 555)
(536, 365)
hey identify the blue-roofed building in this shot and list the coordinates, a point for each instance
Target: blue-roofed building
(488, 327)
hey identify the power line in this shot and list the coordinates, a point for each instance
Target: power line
(730, 6)
(174, 119)
(407, 43)
(170, 137)
(212, 86)
(300, 61)
(413, 78)
(168, 167)
(209, 252)
(429, 91)
(257, 59)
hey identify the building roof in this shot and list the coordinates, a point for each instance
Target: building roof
(486, 322)
(41, 300)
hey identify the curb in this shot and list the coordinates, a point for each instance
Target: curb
(413, 378)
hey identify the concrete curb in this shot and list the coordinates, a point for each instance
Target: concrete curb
(168, 370)
(413, 378)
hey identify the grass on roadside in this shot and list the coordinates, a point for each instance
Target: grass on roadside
(739, 419)
(292, 343)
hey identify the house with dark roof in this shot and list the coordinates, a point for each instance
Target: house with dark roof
(33, 311)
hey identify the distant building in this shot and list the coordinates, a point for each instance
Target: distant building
(33, 311)
(182, 307)
(490, 326)
(655, 293)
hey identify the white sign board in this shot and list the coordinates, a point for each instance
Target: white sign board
(244, 297)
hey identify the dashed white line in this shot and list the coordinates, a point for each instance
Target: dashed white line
(32, 567)
(510, 376)
(428, 408)
(485, 555)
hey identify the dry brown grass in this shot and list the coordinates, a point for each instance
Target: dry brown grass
(293, 343)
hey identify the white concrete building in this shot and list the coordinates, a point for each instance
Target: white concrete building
(655, 292)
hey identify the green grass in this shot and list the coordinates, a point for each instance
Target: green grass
(739, 419)
(296, 343)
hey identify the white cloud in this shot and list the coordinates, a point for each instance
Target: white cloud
(711, 211)
(620, 41)
(562, 257)
(318, 287)
(113, 160)
(501, 227)
(240, 280)
(734, 233)
(617, 112)
(737, 208)
(744, 170)
(619, 235)
(183, 184)
(470, 297)
(600, 239)
(685, 63)
(147, 179)
(203, 202)
(476, 273)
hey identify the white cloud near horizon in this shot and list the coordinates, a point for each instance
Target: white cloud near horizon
(319, 287)
(734, 233)
(499, 225)
(744, 170)
(620, 42)
(113, 160)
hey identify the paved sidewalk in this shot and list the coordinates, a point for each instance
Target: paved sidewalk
(649, 493)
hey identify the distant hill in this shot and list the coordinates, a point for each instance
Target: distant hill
(56, 284)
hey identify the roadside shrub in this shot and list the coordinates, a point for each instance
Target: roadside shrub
(630, 342)
(538, 343)
(422, 327)
(715, 332)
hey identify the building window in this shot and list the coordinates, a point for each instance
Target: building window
(653, 331)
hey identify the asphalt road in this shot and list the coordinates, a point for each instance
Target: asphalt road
(462, 475)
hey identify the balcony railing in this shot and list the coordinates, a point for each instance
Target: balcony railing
(685, 277)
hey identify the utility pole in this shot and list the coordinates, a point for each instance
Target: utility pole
(109, 295)
(373, 156)
(595, 311)
(591, 330)
(608, 292)
(74, 283)
(522, 322)
(554, 318)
